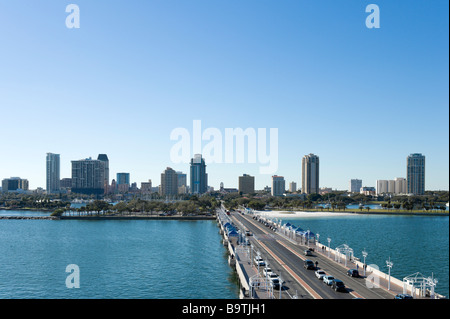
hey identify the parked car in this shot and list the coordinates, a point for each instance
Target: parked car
(259, 261)
(338, 285)
(267, 271)
(353, 273)
(308, 252)
(403, 296)
(275, 280)
(309, 264)
(328, 279)
(320, 274)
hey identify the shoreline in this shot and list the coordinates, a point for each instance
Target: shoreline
(281, 213)
(107, 217)
(136, 217)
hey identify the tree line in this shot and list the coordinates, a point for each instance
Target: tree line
(194, 206)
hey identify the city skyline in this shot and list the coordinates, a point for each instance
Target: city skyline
(415, 183)
(312, 70)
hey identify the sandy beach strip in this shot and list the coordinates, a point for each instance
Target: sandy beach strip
(288, 214)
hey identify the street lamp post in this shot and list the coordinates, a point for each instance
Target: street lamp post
(329, 250)
(365, 254)
(389, 263)
(307, 234)
(281, 285)
(318, 237)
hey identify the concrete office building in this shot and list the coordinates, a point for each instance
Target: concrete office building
(292, 187)
(14, 184)
(278, 186)
(169, 182)
(146, 187)
(355, 185)
(397, 186)
(246, 184)
(88, 176)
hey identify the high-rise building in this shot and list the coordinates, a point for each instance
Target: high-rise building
(66, 183)
(415, 174)
(104, 159)
(278, 186)
(146, 187)
(401, 187)
(123, 178)
(14, 184)
(182, 183)
(246, 184)
(292, 187)
(310, 174)
(169, 182)
(88, 176)
(182, 179)
(397, 186)
(382, 186)
(53, 171)
(199, 178)
(355, 185)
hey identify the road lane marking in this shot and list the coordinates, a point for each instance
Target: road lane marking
(314, 294)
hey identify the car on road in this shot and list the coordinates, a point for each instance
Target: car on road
(275, 282)
(328, 279)
(353, 273)
(267, 271)
(259, 261)
(309, 264)
(403, 296)
(338, 285)
(308, 252)
(320, 274)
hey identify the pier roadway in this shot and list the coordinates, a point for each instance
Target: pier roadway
(291, 258)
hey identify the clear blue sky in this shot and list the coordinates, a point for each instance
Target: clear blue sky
(362, 99)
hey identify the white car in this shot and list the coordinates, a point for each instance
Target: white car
(259, 261)
(267, 271)
(328, 280)
(320, 274)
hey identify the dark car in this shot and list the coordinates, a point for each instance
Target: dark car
(338, 285)
(353, 273)
(403, 296)
(309, 264)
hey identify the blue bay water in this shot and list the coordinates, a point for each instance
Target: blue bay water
(117, 259)
(414, 243)
(180, 259)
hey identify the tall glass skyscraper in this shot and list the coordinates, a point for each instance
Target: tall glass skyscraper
(310, 174)
(199, 178)
(415, 174)
(104, 159)
(123, 178)
(53, 173)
